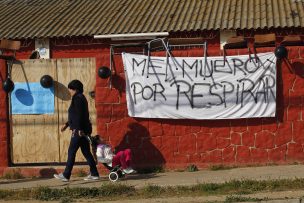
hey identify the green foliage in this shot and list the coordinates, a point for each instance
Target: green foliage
(192, 168)
(5, 193)
(208, 187)
(106, 190)
(47, 194)
(66, 200)
(234, 188)
(13, 174)
(153, 191)
(23, 194)
(238, 198)
(116, 189)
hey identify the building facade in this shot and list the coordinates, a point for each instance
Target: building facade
(170, 143)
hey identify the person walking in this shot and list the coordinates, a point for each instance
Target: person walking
(80, 125)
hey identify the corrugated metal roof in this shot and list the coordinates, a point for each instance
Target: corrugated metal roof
(58, 18)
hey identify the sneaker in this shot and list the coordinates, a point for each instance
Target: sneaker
(89, 177)
(128, 170)
(61, 177)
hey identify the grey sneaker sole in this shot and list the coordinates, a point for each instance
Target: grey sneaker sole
(89, 179)
(59, 178)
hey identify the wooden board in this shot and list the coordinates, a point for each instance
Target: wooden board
(82, 69)
(34, 137)
(37, 138)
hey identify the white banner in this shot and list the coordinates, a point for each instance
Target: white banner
(179, 88)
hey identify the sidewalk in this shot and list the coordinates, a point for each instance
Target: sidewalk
(169, 178)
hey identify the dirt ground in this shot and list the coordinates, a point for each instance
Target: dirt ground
(273, 197)
(179, 178)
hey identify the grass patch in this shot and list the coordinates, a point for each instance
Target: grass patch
(13, 174)
(4, 194)
(66, 200)
(232, 198)
(234, 190)
(192, 168)
(106, 190)
(152, 191)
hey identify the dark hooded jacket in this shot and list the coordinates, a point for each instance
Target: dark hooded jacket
(78, 114)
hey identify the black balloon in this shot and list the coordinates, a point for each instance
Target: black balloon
(46, 81)
(104, 72)
(280, 52)
(8, 85)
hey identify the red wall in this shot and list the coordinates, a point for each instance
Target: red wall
(179, 143)
(4, 138)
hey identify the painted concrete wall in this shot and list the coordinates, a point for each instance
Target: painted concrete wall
(4, 139)
(179, 143)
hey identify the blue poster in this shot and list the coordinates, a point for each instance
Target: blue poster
(32, 98)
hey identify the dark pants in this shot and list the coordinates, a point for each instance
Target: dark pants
(76, 142)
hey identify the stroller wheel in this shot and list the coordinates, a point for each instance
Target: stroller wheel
(113, 176)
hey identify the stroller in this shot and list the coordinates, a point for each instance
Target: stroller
(115, 172)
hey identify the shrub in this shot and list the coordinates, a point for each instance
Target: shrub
(13, 174)
(192, 168)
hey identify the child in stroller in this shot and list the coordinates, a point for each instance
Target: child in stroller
(118, 164)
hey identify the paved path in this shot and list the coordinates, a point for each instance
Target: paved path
(170, 178)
